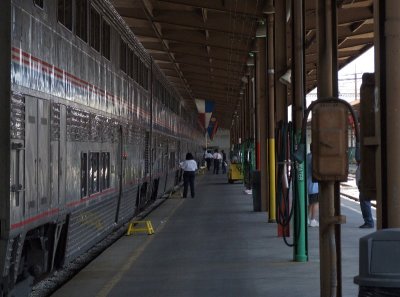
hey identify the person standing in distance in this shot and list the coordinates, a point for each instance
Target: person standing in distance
(224, 164)
(217, 160)
(312, 190)
(365, 204)
(189, 167)
(208, 157)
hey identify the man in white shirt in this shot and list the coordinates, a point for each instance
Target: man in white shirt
(189, 167)
(208, 156)
(217, 160)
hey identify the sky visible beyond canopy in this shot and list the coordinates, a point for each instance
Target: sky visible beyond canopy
(350, 77)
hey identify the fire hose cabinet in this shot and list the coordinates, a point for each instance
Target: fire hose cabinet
(329, 126)
(379, 269)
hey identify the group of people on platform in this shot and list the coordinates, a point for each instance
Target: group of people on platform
(189, 166)
(219, 160)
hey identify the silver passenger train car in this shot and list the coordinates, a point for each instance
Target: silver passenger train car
(91, 132)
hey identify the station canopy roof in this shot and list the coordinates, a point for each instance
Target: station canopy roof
(203, 45)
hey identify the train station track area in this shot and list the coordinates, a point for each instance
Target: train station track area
(213, 245)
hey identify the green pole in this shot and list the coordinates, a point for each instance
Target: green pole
(300, 213)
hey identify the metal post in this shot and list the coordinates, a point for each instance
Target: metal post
(271, 118)
(300, 219)
(392, 48)
(281, 59)
(380, 123)
(262, 119)
(256, 116)
(327, 47)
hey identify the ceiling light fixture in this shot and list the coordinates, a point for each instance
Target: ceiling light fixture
(261, 30)
(268, 8)
(286, 79)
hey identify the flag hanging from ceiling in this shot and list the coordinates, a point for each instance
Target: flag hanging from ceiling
(212, 127)
(205, 109)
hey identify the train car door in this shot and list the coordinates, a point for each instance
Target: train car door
(37, 155)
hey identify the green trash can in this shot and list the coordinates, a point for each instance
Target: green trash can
(256, 190)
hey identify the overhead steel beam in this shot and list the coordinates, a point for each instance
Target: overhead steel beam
(248, 8)
(215, 39)
(215, 22)
(149, 14)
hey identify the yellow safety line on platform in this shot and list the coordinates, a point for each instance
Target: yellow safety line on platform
(111, 284)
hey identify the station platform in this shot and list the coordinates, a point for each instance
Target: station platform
(214, 245)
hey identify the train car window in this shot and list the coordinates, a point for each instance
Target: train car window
(94, 29)
(122, 55)
(64, 13)
(105, 171)
(39, 3)
(94, 183)
(139, 67)
(171, 160)
(146, 78)
(140, 73)
(106, 43)
(130, 63)
(81, 10)
(135, 67)
(84, 175)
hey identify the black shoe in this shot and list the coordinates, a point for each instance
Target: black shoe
(366, 226)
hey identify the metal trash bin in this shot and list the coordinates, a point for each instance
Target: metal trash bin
(256, 190)
(379, 269)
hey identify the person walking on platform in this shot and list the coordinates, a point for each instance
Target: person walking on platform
(189, 167)
(224, 164)
(312, 190)
(208, 156)
(365, 203)
(217, 160)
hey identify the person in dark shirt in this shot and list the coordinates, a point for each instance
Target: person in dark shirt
(224, 164)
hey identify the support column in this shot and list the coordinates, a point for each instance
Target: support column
(247, 107)
(244, 107)
(281, 64)
(380, 125)
(392, 90)
(254, 120)
(298, 95)
(262, 119)
(271, 118)
(327, 73)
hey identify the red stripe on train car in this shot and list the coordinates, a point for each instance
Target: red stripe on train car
(87, 198)
(35, 218)
(21, 57)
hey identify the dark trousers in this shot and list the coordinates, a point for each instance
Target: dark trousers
(223, 166)
(365, 206)
(208, 161)
(216, 166)
(188, 179)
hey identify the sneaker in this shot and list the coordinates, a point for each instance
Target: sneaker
(366, 226)
(314, 223)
